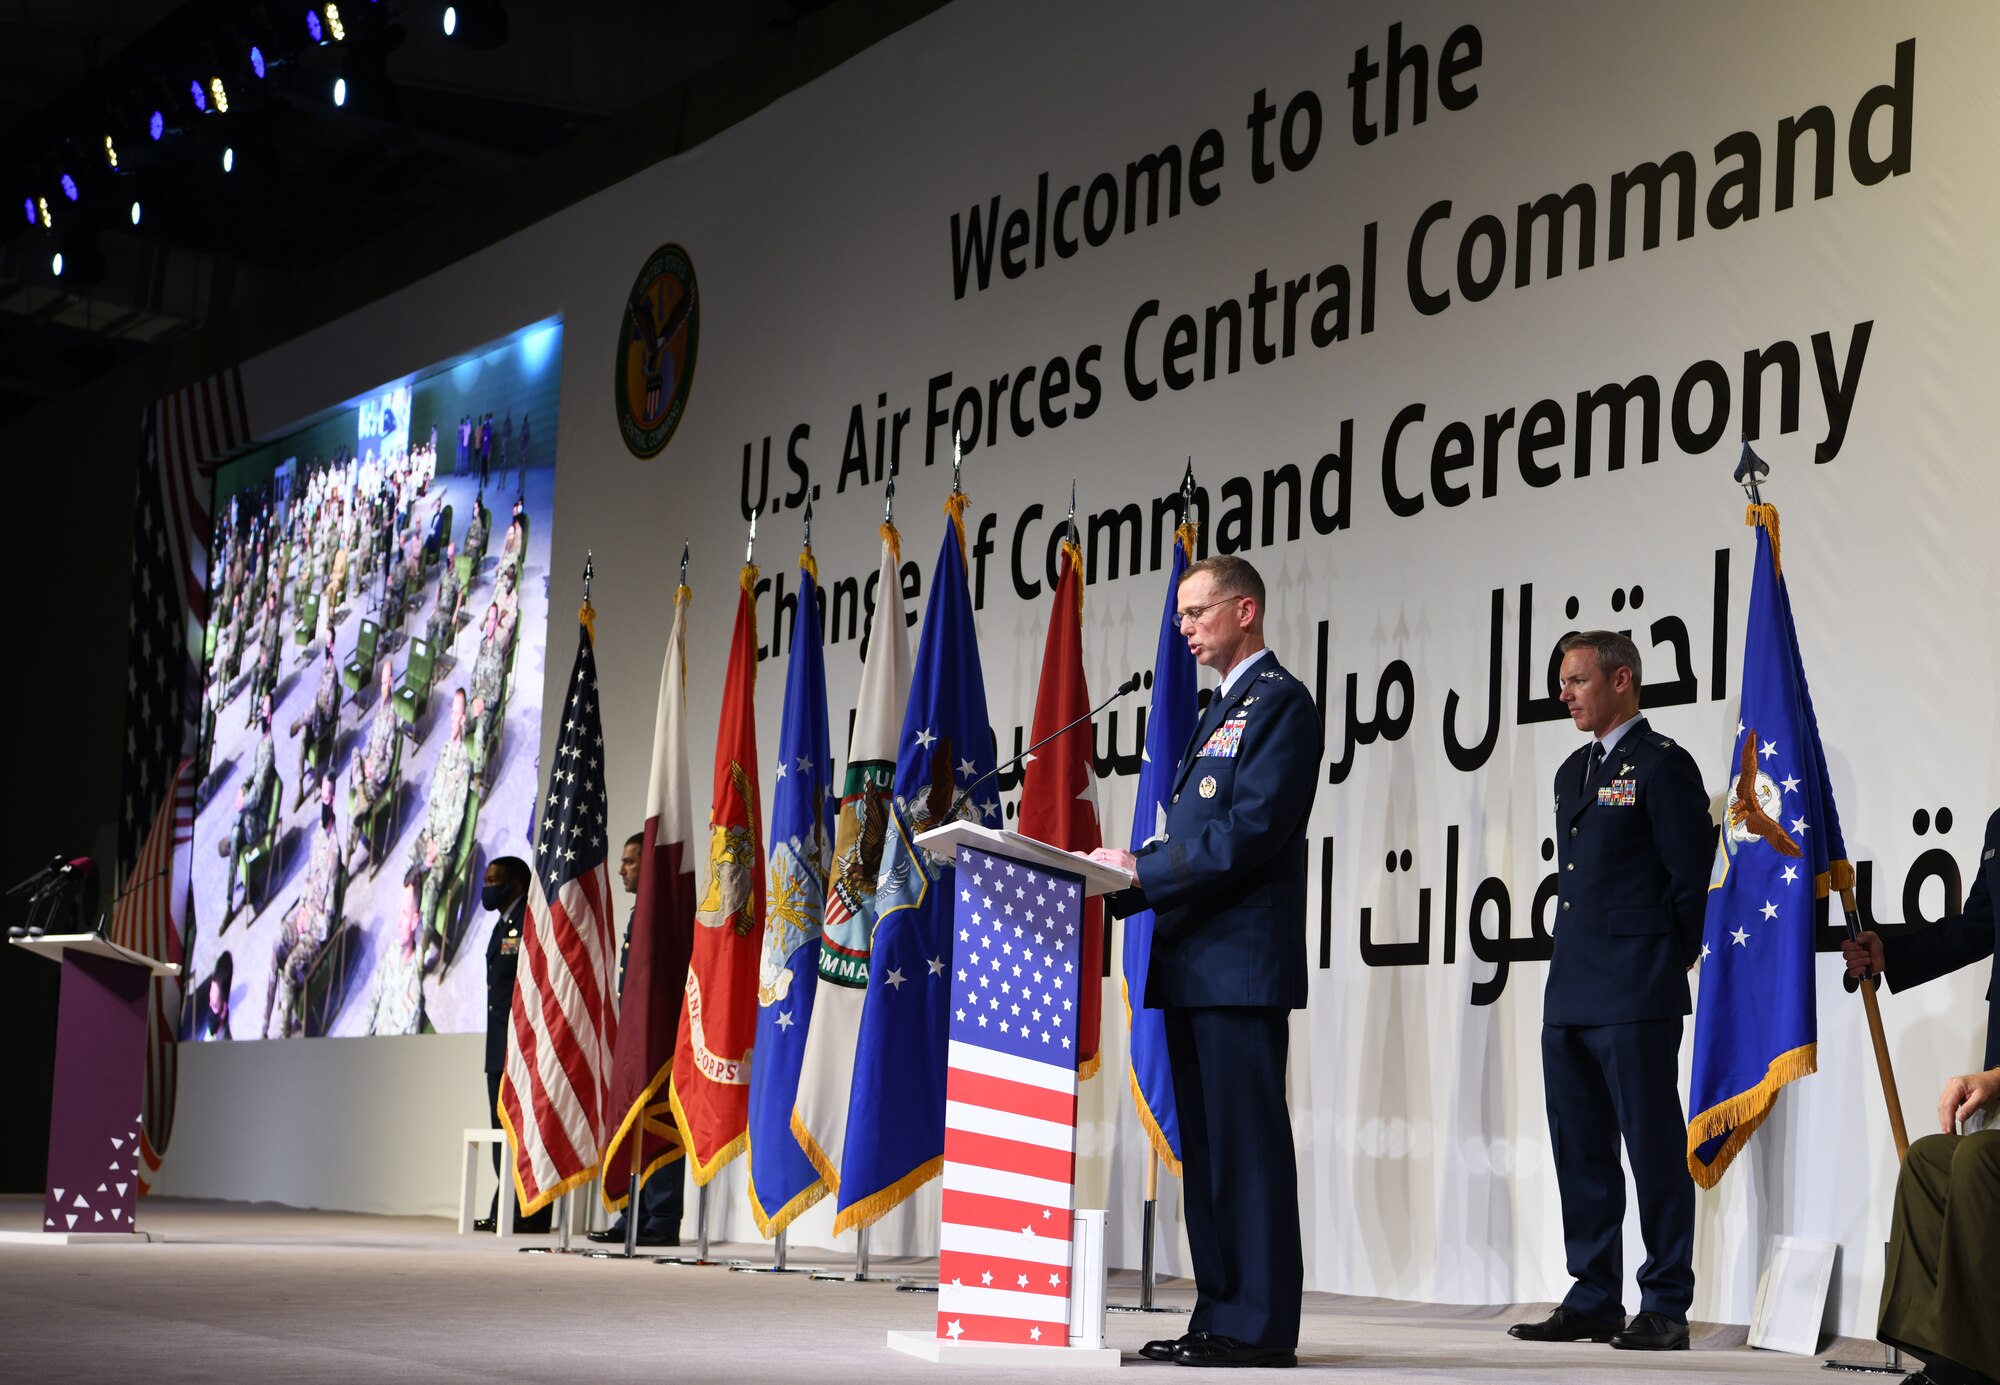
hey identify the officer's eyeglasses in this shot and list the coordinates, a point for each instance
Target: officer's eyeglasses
(1195, 613)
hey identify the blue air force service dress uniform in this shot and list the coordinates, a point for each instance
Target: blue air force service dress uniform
(503, 959)
(1227, 884)
(1634, 847)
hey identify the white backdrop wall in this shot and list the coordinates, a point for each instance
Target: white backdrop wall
(1839, 311)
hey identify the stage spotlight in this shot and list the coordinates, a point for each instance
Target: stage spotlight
(110, 153)
(77, 259)
(476, 23)
(69, 187)
(156, 125)
(315, 30)
(333, 24)
(135, 213)
(220, 94)
(340, 91)
(257, 61)
(42, 205)
(198, 94)
(33, 219)
(229, 159)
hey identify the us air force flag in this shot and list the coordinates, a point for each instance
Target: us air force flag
(1755, 1028)
(1169, 724)
(783, 1182)
(895, 1122)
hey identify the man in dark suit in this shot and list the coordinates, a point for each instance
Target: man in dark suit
(1634, 846)
(506, 893)
(1227, 884)
(1912, 958)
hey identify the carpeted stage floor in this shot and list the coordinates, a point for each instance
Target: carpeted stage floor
(260, 1293)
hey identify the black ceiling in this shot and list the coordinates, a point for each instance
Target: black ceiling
(310, 182)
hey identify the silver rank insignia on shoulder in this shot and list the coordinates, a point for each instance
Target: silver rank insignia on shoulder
(1989, 853)
(1270, 673)
(1208, 786)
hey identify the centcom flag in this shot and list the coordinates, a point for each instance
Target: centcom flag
(1755, 1028)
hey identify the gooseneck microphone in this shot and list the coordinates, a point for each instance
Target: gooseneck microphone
(1130, 685)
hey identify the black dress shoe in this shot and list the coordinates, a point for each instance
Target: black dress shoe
(610, 1236)
(485, 1224)
(1164, 1348)
(1564, 1325)
(1652, 1332)
(1214, 1349)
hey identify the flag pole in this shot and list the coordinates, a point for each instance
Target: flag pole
(1873, 1008)
(1148, 1226)
(1750, 472)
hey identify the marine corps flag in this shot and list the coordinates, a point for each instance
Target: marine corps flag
(783, 1182)
(1058, 790)
(1755, 1028)
(895, 1125)
(711, 1083)
(555, 1090)
(819, 1113)
(662, 936)
(1169, 726)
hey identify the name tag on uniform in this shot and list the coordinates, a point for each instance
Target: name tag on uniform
(1224, 741)
(510, 945)
(1619, 793)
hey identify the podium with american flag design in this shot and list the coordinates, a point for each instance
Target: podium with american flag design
(1020, 1267)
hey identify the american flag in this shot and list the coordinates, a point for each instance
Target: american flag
(149, 920)
(184, 437)
(1010, 1105)
(556, 1088)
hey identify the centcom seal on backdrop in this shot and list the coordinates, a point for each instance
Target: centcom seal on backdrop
(656, 350)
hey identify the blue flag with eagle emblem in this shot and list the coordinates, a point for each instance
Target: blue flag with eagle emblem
(783, 1182)
(895, 1122)
(1755, 1026)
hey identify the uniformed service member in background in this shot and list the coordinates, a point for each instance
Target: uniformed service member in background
(1634, 846)
(370, 779)
(506, 894)
(396, 998)
(434, 852)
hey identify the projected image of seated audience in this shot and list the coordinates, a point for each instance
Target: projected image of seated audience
(370, 715)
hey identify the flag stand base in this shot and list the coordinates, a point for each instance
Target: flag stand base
(916, 1288)
(928, 1346)
(1892, 1364)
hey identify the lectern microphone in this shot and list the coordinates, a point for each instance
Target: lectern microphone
(1130, 685)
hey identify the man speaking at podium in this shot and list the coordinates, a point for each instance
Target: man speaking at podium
(1226, 880)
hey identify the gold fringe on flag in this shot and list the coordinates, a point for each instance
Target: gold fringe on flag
(1162, 1150)
(1741, 1114)
(876, 1206)
(588, 618)
(954, 506)
(1765, 517)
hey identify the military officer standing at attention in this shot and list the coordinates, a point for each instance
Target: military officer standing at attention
(1634, 845)
(506, 893)
(1227, 884)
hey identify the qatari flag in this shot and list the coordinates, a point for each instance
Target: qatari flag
(1010, 1104)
